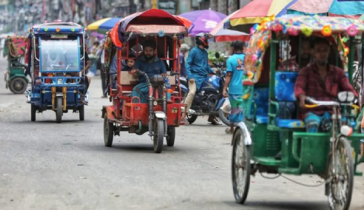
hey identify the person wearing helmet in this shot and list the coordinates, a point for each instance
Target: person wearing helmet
(233, 81)
(198, 69)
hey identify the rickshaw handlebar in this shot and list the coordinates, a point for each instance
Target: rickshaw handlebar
(321, 103)
(315, 103)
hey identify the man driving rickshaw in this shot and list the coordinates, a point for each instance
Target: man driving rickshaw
(321, 81)
(149, 63)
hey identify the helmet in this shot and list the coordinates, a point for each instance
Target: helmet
(202, 39)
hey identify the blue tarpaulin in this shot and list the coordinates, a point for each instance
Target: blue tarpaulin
(347, 7)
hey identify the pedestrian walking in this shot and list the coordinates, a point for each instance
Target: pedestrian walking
(234, 81)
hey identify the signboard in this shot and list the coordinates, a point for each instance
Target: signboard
(169, 6)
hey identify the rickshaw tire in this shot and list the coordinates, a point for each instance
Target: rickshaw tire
(223, 117)
(350, 165)
(158, 139)
(82, 113)
(33, 112)
(13, 82)
(59, 111)
(109, 133)
(240, 199)
(171, 131)
(192, 118)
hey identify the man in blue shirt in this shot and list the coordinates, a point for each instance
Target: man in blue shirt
(149, 63)
(234, 80)
(198, 69)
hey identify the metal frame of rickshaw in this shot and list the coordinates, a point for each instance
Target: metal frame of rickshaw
(16, 69)
(46, 87)
(302, 152)
(134, 117)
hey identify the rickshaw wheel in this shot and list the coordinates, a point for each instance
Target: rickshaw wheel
(81, 111)
(32, 112)
(224, 117)
(341, 185)
(171, 131)
(108, 132)
(59, 111)
(240, 167)
(158, 135)
(18, 85)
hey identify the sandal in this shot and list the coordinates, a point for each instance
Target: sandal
(83, 100)
(228, 131)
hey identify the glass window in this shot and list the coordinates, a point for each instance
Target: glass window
(62, 55)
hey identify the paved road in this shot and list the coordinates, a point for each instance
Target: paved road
(45, 165)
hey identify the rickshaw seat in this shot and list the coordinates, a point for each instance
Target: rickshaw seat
(284, 92)
(284, 87)
(260, 97)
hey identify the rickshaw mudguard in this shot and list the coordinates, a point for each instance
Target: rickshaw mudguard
(108, 110)
(246, 133)
(160, 115)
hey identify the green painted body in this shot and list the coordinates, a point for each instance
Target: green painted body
(301, 152)
(15, 67)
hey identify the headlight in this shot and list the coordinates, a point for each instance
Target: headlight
(346, 96)
(60, 81)
(155, 103)
(350, 97)
(342, 96)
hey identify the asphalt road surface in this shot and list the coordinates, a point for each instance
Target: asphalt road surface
(45, 165)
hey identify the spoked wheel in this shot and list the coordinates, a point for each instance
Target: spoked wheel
(341, 186)
(81, 111)
(32, 112)
(224, 117)
(59, 109)
(240, 167)
(18, 85)
(108, 132)
(158, 135)
(171, 132)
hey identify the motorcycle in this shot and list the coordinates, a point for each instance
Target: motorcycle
(209, 99)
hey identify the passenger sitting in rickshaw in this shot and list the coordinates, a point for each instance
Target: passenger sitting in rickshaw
(321, 81)
(292, 64)
(149, 63)
(124, 67)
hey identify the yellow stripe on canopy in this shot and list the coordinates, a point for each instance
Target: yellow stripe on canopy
(276, 6)
(246, 20)
(95, 25)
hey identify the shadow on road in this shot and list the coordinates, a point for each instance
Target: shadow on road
(281, 205)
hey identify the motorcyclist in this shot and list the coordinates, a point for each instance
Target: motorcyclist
(198, 70)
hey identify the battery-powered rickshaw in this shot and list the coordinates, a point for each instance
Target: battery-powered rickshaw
(267, 142)
(161, 114)
(15, 50)
(56, 61)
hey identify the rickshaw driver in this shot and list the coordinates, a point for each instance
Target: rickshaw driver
(149, 63)
(55, 57)
(323, 82)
